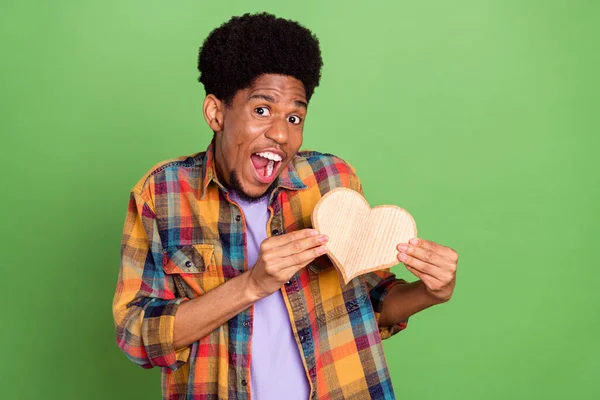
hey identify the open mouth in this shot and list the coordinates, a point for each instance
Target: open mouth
(265, 165)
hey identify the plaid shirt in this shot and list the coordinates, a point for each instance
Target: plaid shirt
(183, 236)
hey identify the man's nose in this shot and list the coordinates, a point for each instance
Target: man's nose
(279, 130)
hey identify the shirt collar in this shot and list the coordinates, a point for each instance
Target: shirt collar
(287, 179)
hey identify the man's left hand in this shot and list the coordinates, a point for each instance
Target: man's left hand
(434, 264)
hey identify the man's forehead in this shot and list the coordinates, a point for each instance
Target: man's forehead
(274, 85)
(272, 99)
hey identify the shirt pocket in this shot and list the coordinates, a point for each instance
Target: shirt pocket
(193, 269)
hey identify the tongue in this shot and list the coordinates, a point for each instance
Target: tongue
(258, 161)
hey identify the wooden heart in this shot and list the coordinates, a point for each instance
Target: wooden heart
(361, 239)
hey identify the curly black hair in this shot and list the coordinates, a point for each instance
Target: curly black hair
(246, 47)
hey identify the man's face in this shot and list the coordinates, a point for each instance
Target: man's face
(261, 133)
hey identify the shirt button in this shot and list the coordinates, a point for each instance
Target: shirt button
(288, 283)
(302, 339)
(238, 218)
(188, 264)
(246, 324)
(276, 232)
(244, 383)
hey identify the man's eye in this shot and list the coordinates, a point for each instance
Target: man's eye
(264, 111)
(294, 119)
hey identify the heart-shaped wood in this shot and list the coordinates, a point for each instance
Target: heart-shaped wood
(361, 239)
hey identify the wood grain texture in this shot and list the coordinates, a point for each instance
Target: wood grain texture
(361, 238)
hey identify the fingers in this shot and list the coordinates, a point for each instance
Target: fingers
(278, 241)
(424, 254)
(427, 279)
(443, 251)
(299, 260)
(424, 268)
(294, 249)
(297, 246)
(434, 264)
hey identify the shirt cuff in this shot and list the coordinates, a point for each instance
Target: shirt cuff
(378, 295)
(157, 333)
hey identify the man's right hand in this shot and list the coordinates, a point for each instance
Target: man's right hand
(280, 257)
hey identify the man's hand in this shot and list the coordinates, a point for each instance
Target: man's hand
(280, 257)
(434, 264)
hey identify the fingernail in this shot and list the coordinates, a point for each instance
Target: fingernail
(323, 238)
(402, 257)
(323, 249)
(402, 247)
(414, 241)
(314, 232)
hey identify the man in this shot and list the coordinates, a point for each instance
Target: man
(223, 283)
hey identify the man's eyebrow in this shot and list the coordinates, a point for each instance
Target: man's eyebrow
(263, 97)
(297, 103)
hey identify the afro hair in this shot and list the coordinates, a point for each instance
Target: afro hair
(246, 47)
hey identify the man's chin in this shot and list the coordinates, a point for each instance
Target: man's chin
(254, 197)
(248, 192)
(255, 193)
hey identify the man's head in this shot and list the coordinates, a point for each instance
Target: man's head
(259, 73)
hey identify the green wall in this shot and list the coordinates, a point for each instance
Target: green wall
(479, 117)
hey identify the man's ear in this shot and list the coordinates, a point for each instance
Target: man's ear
(213, 112)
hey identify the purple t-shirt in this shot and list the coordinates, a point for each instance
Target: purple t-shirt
(276, 370)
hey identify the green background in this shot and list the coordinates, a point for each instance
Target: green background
(479, 117)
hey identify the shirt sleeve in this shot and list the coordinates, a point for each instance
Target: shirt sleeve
(144, 303)
(379, 283)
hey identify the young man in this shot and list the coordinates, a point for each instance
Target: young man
(223, 283)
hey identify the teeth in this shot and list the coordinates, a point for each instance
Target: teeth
(270, 168)
(270, 156)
